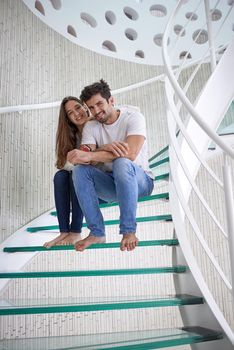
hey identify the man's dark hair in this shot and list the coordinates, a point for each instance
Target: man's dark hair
(100, 87)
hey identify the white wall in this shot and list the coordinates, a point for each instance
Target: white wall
(38, 65)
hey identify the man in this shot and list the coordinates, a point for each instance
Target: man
(117, 138)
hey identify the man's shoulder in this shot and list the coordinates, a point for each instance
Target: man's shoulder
(131, 114)
(128, 110)
(92, 124)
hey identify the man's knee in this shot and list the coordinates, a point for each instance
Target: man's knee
(78, 171)
(122, 165)
(81, 172)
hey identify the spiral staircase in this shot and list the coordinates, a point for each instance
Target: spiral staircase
(173, 262)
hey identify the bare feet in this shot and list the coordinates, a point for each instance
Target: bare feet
(129, 242)
(71, 239)
(64, 239)
(88, 241)
(56, 240)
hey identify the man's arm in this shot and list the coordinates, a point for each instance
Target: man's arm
(108, 153)
(135, 143)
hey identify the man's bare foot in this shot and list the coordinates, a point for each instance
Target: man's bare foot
(129, 242)
(71, 239)
(56, 241)
(88, 241)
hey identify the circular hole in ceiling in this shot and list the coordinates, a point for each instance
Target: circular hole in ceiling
(131, 34)
(88, 19)
(158, 38)
(230, 2)
(185, 55)
(110, 17)
(200, 36)
(158, 10)
(56, 4)
(130, 13)
(71, 31)
(179, 30)
(108, 45)
(233, 27)
(39, 7)
(191, 16)
(140, 54)
(215, 15)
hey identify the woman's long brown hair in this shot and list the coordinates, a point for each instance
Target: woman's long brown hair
(67, 132)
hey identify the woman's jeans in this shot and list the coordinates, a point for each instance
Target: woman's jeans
(125, 184)
(65, 202)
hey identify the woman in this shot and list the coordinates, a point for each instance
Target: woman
(72, 117)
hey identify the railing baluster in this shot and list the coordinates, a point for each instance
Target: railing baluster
(229, 202)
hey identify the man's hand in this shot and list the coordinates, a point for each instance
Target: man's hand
(117, 148)
(79, 157)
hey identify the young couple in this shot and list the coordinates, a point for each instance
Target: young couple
(115, 169)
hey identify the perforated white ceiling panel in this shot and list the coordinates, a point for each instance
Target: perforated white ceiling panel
(132, 29)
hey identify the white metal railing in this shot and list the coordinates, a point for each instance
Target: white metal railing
(187, 158)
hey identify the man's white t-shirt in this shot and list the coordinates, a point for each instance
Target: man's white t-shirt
(129, 122)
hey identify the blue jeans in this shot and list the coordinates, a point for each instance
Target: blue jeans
(125, 184)
(65, 202)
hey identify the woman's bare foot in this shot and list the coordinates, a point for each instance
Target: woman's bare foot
(71, 239)
(57, 240)
(88, 241)
(129, 242)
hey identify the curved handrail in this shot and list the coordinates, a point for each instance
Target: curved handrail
(180, 93)
(38, 106)
(181, 179)
(186, 172)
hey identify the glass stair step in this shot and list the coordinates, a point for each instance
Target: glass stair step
(82, 273)
(162, 177)
(160, 153)
(167, 242)
(159, 162)
(167, 217)
(42, 306)
(164, 195)
(142, 340)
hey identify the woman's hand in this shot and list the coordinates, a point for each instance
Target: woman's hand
(79, 157)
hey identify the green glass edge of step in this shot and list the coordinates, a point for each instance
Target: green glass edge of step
(150, 243)
(117, 272)
(162, 176)
(159, 162)
(164, 195)
(164, 343)
(165, 149)
(147, 341)
(167, 217)
(136, 304)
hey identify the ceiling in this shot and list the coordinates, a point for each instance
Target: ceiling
(132, 29)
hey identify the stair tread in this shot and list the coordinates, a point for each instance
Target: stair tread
(147, 339)
(36, 306)
(164, 195)
(148, 243)
(161, 176)
(159, 154)
(159, 162)
(81, 273)
(166, 217)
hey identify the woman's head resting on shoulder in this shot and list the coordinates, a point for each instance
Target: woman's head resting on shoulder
(73, 115)
(74, 111)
